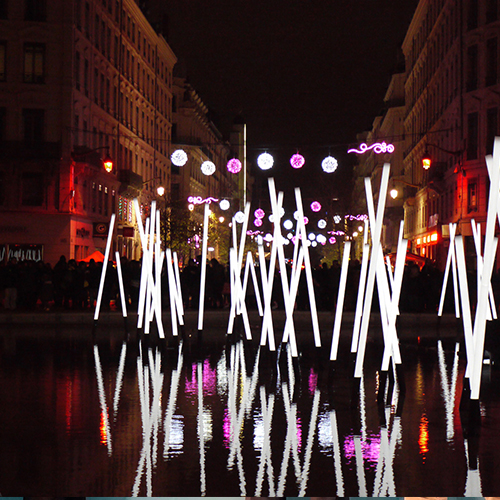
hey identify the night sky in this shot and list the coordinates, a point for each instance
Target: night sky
(306, 75)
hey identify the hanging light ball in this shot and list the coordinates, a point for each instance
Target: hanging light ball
(265, 161)
(321, 239)
(179, 157)
(207, 167)
(329, 164)
(332, 240)
(257, 222)
(315, 206)
(297, 161)
(234, 166)
(288, 224)
(239, 217)
(224, 204)
(259, 213)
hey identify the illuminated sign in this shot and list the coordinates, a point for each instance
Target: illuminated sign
(377, 147)
(198, 200)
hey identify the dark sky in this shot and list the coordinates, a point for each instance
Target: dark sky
(305, 74)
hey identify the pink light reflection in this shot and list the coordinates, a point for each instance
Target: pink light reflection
(209, 378)
(370, 448)
(313, 381)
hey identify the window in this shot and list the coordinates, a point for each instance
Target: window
(491, 11)
(35, 10)
(491, 128)
(472, 136)
(76, 134)
(491, 61)
(33, 121)
(472, 195)
(3, 62)
(32, 189)
(78, 14)
(34, 62)
(472, 15)
(86, 77)
(3, 9)
(471, 82)
(3, 116)
(77, 70)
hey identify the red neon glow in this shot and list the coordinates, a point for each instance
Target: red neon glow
(297, 161)
(234, 166)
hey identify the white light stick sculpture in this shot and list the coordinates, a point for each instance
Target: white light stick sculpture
(120, 284)
(201, 305)
(376, 232)
(250, 269)
(172, 292)
(301, 227)
(451, 261)
(104, 267)
(340, 301)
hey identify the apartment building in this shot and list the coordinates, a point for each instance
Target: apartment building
(81, 81)
(452, 94)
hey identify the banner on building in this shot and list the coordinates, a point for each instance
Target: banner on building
(21, 252)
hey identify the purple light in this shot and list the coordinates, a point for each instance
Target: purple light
(259, 213)
(378, 148)
(306, 220)
(332, 240)
(297, 161)
(234, 166)
(198, 200)
(315, 206)
(257, 222)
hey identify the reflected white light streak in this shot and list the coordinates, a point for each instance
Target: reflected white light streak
(172, 400)
(267, 407)
(451, 261)
(201, 305)
(120, 284)
(201, 432)
(360, 470)
(473, 486)
(336, 454)
(119, 379)
(448, 389)
(102, 398)
(267, 278)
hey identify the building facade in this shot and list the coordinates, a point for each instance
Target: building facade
(452, 94)
(80, 81)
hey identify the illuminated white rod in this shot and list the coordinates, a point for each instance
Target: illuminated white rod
(203, 268)
(307, 262)
(276, 204)
(234, 291)
(267, 277)
(140, 304)
(376, 227)
(340, 301)
(241, 298)
(491, 312)
(119, 379)
(159, 259)
(389, 271)
(172, 292)
(490, 246)
(361, 294)
(151, 286)
(178, 296)
(464, 296)
(450, 262)
(104, 266)
(120, 284)
(145, 274)
(250, 269)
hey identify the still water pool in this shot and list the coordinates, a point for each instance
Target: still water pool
(112, 415)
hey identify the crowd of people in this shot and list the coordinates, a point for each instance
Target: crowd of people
(29, 285)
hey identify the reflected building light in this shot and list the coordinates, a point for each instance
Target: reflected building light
(329, 164)
(423, 436)
(105, 432)
(176, 437)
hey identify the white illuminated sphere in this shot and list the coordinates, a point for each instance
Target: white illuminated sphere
(268, 237)
(239, 217)
(224, 204)
(322, 223)
(207, 167)
(314, 243)
(321, 238)
(288, 224)
(179, 157)
(296, 215)
(265, 161)
(311, 236)
(271, 218)
(329, 164)
(289, 236)
(337, 219)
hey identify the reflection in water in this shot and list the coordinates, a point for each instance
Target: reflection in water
(267, 415)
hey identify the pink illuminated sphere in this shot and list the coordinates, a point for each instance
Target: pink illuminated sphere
(259, 213)
(234, 166)
(315, 206)
(297, 161)
(257, 222)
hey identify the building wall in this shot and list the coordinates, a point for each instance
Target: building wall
(83, 80)
(452, 96)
